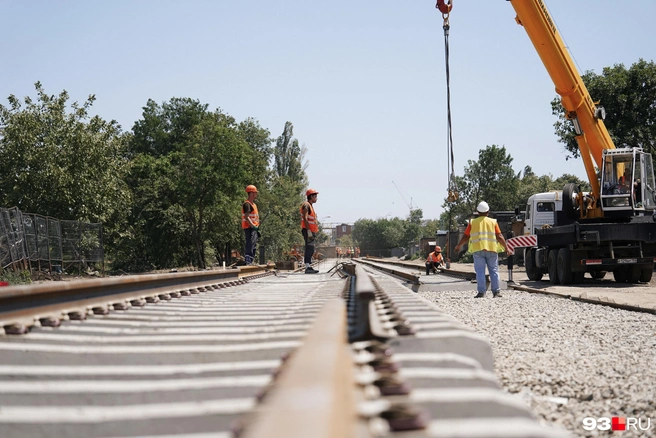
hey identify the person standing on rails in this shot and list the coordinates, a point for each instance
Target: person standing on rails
(434, 260)
(309, 228)
(250, 223)
(483, 234)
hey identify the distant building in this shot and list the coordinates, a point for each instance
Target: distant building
(343, 230)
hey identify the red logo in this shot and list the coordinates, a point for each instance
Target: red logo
(618, 423)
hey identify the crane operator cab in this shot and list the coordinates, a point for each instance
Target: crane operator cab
(627, 182)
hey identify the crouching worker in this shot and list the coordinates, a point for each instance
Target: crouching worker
(434, 261)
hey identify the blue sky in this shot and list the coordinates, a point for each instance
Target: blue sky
(362, 81)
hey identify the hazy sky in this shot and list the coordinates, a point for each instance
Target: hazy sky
(362, 82)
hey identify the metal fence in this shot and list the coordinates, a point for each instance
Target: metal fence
(31, 241)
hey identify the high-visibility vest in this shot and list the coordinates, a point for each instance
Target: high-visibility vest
(311, 218)
(482, 235)
(436, 258)
(253, 215)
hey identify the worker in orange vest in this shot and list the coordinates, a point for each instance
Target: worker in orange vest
(309, 228)
(250, 223)
(434, 260)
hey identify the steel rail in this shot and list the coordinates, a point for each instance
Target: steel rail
(22, 307)
(404, 275)
(315, 393)
(456, 273)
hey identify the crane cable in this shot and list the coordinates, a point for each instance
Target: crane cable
(444, 6)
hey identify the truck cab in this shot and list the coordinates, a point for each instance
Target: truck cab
(541, 210)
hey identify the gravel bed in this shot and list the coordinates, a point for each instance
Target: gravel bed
(568, 360)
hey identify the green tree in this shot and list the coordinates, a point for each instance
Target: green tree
(281, 203)
(412, 226)
(61, 162)
(628, 96)
(491, 178)
(380, 235)
(188, 171)
(288, 155)
(430, 227)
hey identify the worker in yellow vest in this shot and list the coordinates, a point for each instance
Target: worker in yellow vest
(309, 228)
(484, 238)
(250, 223)
(434, 260)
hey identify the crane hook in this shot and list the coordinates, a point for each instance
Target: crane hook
(444, 6)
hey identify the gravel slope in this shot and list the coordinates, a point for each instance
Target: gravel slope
(568, 360)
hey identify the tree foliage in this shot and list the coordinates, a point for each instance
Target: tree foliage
(628, 96)
(282, 200)
(188, 170)
(491, 178)
(58, 160)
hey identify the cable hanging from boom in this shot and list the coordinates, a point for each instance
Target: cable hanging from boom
(444, 6)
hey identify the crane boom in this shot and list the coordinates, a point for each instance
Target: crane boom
(613, 228)
(607, 168)
(409, 204)
(592, 135)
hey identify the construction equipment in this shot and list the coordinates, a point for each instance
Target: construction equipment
(612, 227)
(409, 204)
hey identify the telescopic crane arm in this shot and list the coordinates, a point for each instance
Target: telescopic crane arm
(591, 133)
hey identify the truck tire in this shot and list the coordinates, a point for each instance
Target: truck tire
(634, 274)
(570, 207)
(532, 271)
(620, 274)
(564, 263)
(645, 274)
(552, 263)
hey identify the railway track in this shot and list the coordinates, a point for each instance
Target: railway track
(554, 353)
(341, 353)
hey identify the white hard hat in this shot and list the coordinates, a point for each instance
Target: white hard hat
(483, 207)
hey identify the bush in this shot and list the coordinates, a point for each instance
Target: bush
(466, 258)
(14, 278)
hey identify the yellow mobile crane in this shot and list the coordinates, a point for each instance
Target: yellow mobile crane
(611, 228)
(613, 194)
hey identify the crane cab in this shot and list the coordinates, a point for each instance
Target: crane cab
(627, 182)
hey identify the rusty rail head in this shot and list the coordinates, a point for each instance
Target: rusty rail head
(26, 304)
(314, 396)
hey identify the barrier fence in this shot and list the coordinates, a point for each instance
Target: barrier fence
(35, 242)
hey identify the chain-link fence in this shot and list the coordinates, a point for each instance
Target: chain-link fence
(12, 238)
(44, 243)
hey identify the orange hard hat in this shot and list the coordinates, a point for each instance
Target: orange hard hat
(251, 188)
(311, 192)
(438, 249)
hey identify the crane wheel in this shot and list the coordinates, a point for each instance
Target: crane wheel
(553, 266)
(532, 271)
(564, 263)
(645, 274)
(621, 274)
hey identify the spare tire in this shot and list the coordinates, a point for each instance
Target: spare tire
(570, 205)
